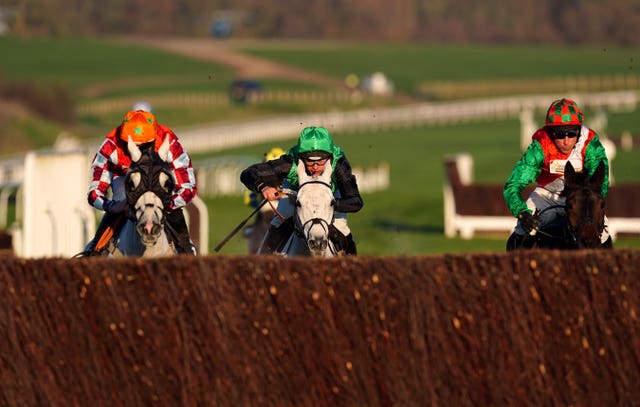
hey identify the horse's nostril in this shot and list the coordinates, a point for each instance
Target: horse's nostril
(156, 229)
(317, 244)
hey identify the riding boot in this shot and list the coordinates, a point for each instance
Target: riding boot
(350, 247)
(108, 219)
(179, 232)
(275, 238)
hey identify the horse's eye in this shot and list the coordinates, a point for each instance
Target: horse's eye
(133, 180)
(165, 182)
(298, 204)
(333, 202)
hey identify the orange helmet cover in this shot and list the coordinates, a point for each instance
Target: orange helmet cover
(140, 125)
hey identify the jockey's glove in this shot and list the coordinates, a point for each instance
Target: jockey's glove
(528, 221)
(117, 206)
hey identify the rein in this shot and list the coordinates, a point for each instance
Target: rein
(542, 232)
(568, 226)
(572, 236)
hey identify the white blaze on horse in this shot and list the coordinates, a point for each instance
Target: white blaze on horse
(314, 211)
(149, 188)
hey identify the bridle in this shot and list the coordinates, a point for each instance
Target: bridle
(299, 227)
(149, 166)
(144, 177)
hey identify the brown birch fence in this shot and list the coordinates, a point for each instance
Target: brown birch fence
(530, 328)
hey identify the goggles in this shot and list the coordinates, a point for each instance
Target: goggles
(313, 163)
(560, 134)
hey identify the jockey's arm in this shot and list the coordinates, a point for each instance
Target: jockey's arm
(350, 199)
(594, 154)
(524, 173)
(101, 176)
(272, 173)
(185, 188)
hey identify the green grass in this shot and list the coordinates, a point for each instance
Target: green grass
(83, 62)
(409, 64)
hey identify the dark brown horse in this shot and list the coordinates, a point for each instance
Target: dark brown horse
(583, 223)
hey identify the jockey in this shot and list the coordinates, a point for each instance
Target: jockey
(563, 139)
(314, 147)
(252, 198)
(112, 162)
(265, 214)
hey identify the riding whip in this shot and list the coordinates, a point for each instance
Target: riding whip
(237, 228)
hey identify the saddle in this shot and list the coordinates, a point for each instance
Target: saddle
(110, 227)
(112, 230)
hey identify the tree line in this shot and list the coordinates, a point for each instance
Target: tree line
(489, 21)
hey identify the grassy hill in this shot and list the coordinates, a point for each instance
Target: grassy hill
(101, 70)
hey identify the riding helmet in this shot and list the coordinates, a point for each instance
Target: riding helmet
(274, 153)
(315, 143)
(563, 112)
(140, 125)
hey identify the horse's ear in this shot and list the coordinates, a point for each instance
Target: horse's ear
(302, 172)
(597, 178)
(163, 151)
(570, 177)
(326, 174)
(134, 150)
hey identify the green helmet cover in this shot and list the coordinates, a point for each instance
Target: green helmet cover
(315, 139)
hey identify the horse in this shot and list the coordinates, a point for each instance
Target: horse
(149, 187)
(313, 215)
(582, 225)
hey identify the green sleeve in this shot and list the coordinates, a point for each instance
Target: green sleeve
(593, 155)
(525, 172)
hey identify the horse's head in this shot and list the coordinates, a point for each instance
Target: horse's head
(149, 188)
(314, 208)
(584, 205)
